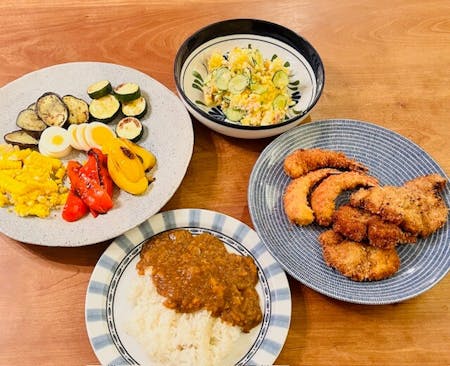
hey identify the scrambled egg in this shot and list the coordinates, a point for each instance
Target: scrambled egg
(261, 96)
(30, 182)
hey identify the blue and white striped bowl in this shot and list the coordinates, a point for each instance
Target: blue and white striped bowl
(107, 305)
(393, 159)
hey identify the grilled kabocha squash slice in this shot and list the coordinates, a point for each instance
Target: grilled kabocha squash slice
(104, 109)
(52, 110)
(78, 109)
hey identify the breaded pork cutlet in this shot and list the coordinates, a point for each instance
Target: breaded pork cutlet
(359, 225)
(357, 261)
(417, 207)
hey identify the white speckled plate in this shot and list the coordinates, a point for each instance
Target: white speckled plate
(107, 300)
(391, 158)
(168, 134)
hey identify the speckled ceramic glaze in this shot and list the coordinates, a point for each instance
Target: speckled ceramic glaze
(391, 158)
(168, 134)
(107, 298)
(306, 78)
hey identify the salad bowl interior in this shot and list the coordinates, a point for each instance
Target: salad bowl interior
(301, 61)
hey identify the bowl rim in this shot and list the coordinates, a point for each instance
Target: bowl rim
(283, 33)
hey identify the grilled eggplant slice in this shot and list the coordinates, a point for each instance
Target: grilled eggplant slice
(99, 89)
(78, 109)
(127, 91)
(22, 139)
(104, 109)
(135, 108)
(130, 128)
(52, 110)
(29, 120)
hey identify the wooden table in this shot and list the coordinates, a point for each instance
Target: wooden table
(386, 61)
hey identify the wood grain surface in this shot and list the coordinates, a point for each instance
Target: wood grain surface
(386, 62)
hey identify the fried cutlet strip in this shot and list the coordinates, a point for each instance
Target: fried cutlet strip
(359, 262)
(359, 225)
(417, 207)
(296, 197)
(302, 161)
(323, 197)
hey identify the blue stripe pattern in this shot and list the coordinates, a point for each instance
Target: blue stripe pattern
(108, 263)
(281, 321)
(96, 287)
(271, 346)
(218, 222)
(124, 243)
(95, 315)
(101, 341)
(280, 294)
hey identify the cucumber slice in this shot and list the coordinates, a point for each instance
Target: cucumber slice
(234, 115)
(280, 102)
(238, 84)
(222, 77)
(130, 128)
(78, 109)
(52, 110)
(104, 109)
(29, 120)
(127, 91)
(135, 108)
(99, 89)
(280, 79)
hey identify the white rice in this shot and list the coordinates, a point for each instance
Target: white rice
(171, 338)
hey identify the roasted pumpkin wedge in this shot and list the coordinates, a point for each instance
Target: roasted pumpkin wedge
(78, 109)
(52, 110)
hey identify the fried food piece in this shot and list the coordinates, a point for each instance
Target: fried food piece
(302, 161)
(359, 262)
(359, 225)
(417, 207)
(295, 199)
(324, 196)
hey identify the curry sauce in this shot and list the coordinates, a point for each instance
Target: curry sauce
(197, 272)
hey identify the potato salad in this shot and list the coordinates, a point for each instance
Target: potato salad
(249, 89)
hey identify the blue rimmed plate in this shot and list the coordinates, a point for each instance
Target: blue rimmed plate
(393, 159)
(108, 307)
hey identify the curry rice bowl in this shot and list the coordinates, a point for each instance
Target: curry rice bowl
(172, 338)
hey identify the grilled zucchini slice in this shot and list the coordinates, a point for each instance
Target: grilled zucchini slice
(135, 108)
(29, 120)
(52, 110)
(78, 109)
(130, 128)
(104, 109)
(22, 139)
(99, 89)
(127, 91)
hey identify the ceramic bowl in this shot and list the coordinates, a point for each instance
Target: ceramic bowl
(306, 79)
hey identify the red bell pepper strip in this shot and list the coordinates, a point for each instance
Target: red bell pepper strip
(75, 208)
(88, 189)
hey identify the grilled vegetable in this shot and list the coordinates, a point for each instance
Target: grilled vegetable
(104, 109)
(30, 121)
(75, 208)
(22, 139)
(135, 108)
(78, 109)
(126, 168)
(130, 128)
(99, 89)
(127, 91)
(52, 110)
(147, 158)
